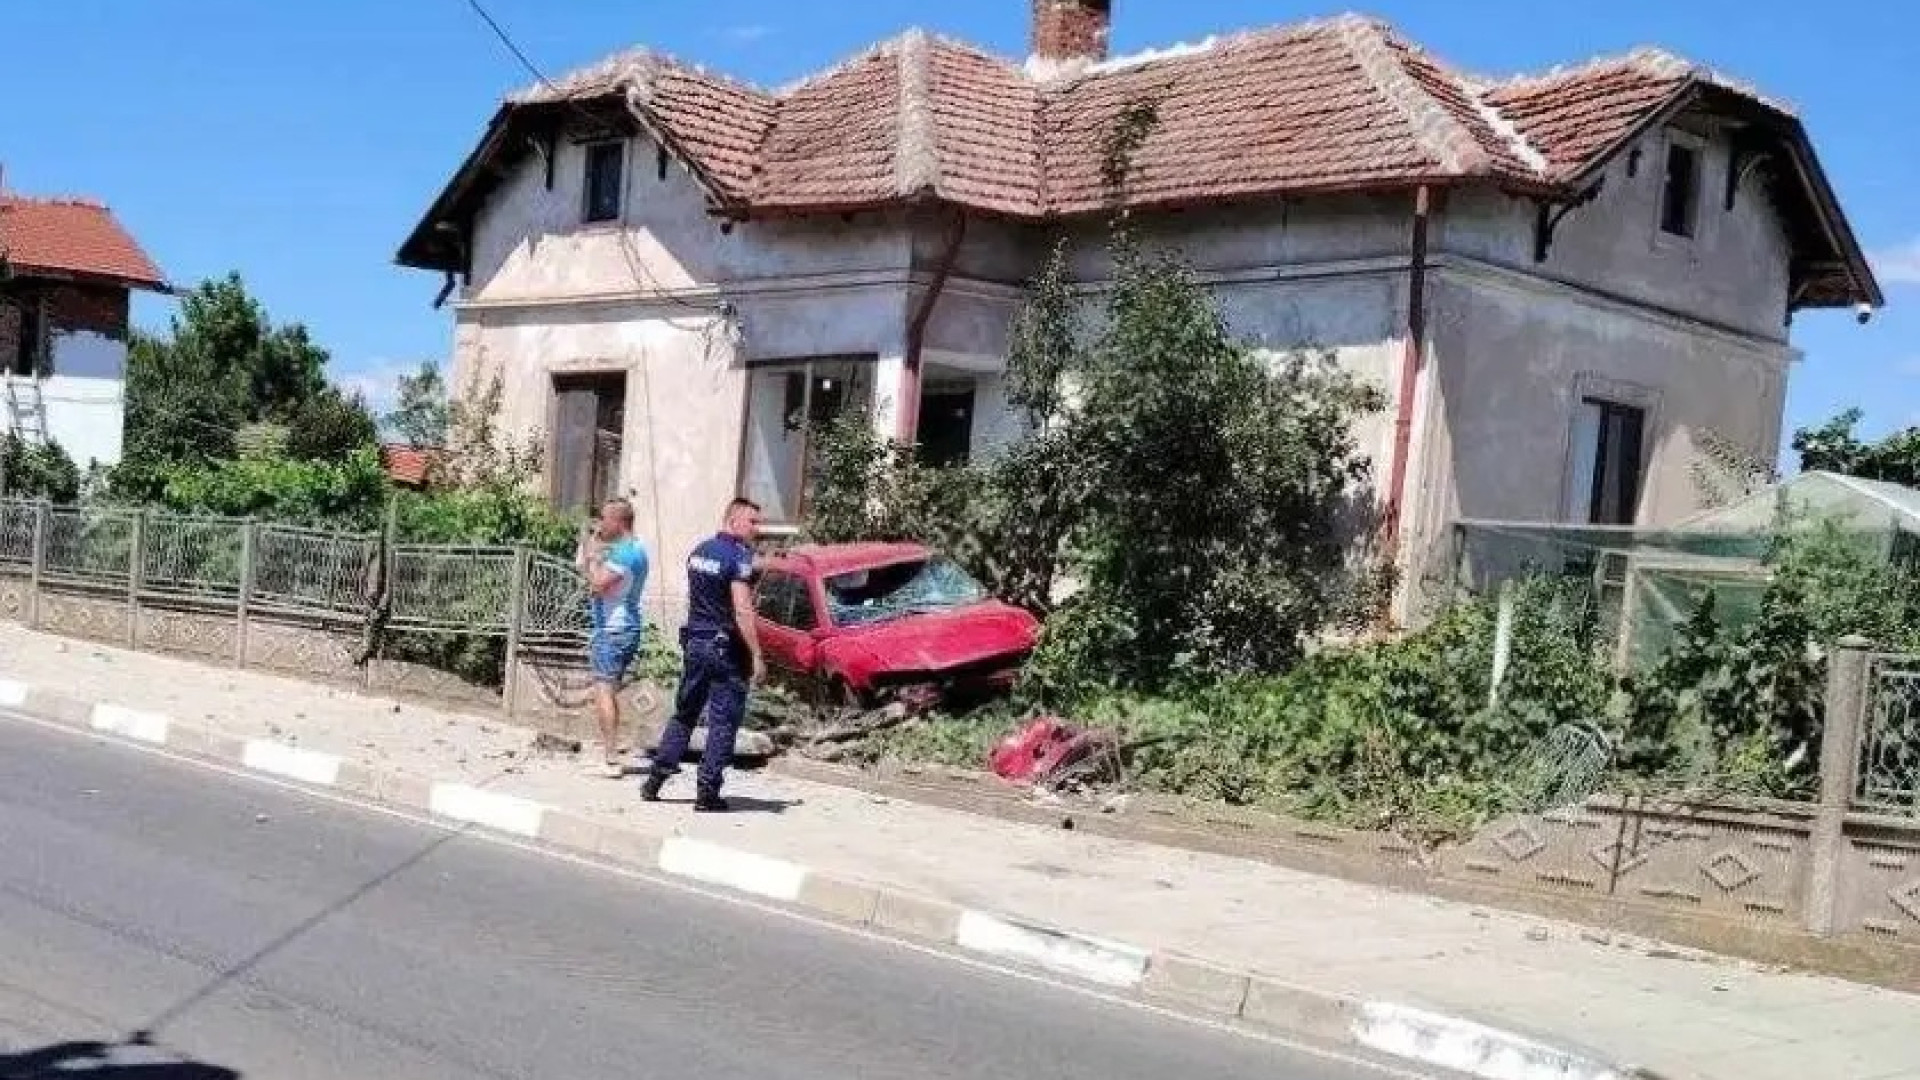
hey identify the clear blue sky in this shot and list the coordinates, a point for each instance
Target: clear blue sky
(298, 142)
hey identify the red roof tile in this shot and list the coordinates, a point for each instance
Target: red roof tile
(1341, 104)
(70, 236)
(834, 138)
(1571, 117)
(408, 465)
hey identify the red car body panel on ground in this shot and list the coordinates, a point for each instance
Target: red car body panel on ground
(965, 643)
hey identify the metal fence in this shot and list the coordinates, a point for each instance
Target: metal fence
(286, 596)
(1888, 778)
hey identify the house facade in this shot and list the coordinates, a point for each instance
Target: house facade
(67, 271)
(1564, 284)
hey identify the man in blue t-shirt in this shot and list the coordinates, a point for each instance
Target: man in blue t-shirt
(722, 655)
(615, 566)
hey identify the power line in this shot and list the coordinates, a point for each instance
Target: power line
(507, 40)
(635, 265)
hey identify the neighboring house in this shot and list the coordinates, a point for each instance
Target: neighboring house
(67, 268)
(409, 466)
(1560, 281)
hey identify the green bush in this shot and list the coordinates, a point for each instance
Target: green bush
(348, 495)
(38, 470)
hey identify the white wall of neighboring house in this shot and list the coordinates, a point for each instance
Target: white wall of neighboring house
(84, 398)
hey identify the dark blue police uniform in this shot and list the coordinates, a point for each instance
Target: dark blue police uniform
(717, 665)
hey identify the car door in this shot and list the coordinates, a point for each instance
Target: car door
(783, 612)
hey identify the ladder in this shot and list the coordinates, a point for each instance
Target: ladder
(26, 409)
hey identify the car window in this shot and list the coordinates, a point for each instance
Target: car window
(782, 600)
(873, 595)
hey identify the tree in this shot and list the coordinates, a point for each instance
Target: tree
(330, 425)
(37, 470)
(421, 412)
(1833, 447)
(1199, 493)
(224, 364)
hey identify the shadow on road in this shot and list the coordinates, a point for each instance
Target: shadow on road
(94, 1060)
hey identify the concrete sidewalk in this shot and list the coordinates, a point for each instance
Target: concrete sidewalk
(1394, 972)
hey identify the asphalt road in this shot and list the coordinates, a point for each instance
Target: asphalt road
(133, 886)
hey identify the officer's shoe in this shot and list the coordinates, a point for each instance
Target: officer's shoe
(650, 788)
(710, 802)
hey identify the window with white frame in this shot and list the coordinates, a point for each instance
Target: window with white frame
(790, 407)
(1609, 445)
(604, 182)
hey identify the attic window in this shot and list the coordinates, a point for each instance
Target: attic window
(601, 194)
(1680, 188)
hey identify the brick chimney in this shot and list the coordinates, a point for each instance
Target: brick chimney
(1069, 34)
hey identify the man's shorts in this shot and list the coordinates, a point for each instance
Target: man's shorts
(612, 655)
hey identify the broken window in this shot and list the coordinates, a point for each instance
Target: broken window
(920, 587)
(789, 408)
(590, 413)
(604, 181)
(1680, 191)
(1608, 448)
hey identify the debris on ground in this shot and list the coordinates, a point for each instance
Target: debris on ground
(546, 743)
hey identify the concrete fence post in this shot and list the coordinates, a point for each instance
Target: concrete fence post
(136, 573)
(37, 575)
(516, 626)
(1849, 697)
(243, 602)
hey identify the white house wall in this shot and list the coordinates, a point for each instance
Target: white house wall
(85, 397)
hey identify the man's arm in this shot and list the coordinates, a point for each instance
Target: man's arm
(749, 630)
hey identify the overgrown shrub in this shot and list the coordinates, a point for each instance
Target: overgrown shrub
(38, 470)
(348, 495)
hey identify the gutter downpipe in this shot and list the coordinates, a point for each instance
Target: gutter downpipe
(908, 423)
(1411, 360)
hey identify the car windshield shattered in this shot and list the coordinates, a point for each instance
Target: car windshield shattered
(910, 588)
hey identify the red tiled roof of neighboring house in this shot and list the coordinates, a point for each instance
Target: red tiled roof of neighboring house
(1340, 104)
(409, 465)
(72, 237)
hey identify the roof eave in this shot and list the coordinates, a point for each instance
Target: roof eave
(92, 277)
(422, 251)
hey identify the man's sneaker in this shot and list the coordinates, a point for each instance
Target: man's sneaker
(710, 802)
(607, 770)
(650, 788)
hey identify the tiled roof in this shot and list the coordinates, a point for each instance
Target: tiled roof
(408, 465)
(71, 236)
(1340, 104)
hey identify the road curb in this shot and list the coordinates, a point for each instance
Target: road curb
(1191, 985)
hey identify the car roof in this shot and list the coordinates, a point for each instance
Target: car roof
(831, 560)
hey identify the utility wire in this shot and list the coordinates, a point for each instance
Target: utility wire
(635, 265)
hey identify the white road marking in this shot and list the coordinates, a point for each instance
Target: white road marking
(146, 727)
(292, 762)
(13, 693)
(747, 872)
(1104, 962)
(507, 813)
(1467, 1048)
(733, 899)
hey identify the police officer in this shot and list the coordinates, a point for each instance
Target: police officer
(722, 655)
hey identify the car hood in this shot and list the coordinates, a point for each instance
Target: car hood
(937, 641)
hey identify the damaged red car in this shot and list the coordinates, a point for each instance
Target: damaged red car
(851, 623)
